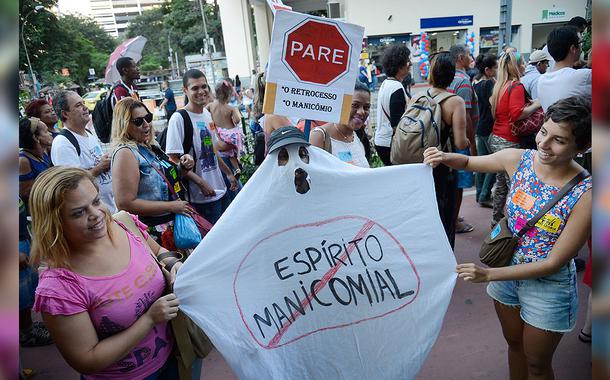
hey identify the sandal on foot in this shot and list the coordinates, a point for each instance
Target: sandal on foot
(464, 228)
(584, 337)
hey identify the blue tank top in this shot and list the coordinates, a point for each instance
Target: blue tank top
(528, 194)
(36, 166)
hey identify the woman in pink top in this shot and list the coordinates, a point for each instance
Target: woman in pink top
(507, 105)
(102, 294)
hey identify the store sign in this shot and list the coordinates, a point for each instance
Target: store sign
(443, 22)
(313, 66)
(553, 14)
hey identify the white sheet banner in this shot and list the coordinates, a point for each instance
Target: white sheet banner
(323, 270)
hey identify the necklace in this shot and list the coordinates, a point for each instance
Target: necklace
(345, 138)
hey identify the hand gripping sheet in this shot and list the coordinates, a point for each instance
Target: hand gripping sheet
(323, 270)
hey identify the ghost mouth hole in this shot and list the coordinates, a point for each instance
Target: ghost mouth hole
(301, 184)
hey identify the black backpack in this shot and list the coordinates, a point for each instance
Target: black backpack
(187, 142)
(102, 115)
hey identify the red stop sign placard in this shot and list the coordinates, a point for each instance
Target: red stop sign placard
(316, 52)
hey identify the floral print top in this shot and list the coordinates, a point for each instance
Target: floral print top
(528, 194)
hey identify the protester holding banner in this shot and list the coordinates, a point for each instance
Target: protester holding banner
(102, 296)
(146, 183)
(341, 140)
(268, 122)
(535, 295)
(392, 98)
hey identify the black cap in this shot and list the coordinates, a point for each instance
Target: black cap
(285, 136)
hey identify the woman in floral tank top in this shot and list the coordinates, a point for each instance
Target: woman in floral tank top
(535, 296)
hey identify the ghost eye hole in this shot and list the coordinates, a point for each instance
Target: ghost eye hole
(304, 154)
(282, 157)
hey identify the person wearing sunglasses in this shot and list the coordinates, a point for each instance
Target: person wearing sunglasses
(146, 183)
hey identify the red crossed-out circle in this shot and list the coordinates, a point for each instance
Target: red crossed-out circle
(316, 52)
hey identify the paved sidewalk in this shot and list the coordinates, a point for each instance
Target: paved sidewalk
(470, 344)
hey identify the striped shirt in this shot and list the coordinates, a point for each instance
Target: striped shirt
(463, 88)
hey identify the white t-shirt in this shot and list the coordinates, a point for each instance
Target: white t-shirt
(350, 152)
(206, 164)
(383, 130)
(63, 153)
(563, 83)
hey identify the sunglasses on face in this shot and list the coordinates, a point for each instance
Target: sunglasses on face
(138, 121)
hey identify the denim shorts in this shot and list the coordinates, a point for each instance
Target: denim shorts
(549, 303)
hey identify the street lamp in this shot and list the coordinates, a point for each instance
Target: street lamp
(206, 41)
(34, 80)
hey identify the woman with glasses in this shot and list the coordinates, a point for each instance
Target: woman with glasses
(342, 140)
(507, 105)
(144, 180)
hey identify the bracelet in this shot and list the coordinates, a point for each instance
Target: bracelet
(164, 255)
(168, 266)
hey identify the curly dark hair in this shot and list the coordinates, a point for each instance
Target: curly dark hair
(394, 58)
(574, 111)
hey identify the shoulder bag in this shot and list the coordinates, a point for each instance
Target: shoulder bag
(191, 341)
(499, 246)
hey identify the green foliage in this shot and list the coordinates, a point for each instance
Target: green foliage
(248, 167)
(179, 23)
(586, 44)
(73, 42)
(150, 25)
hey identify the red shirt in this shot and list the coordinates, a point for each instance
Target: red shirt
(509, 109)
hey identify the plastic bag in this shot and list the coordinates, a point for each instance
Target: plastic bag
(186, 233)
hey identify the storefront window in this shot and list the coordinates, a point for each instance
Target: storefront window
(489, 39)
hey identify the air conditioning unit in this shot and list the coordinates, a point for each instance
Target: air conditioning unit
(334, 10)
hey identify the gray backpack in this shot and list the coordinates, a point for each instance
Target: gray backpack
(419, 128)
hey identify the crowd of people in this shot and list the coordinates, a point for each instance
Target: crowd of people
(101, 292)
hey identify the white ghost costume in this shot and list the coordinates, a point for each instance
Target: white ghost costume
(350, 280)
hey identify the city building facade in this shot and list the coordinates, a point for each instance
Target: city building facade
(397, 21)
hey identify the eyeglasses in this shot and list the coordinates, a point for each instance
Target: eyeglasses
(138, 121)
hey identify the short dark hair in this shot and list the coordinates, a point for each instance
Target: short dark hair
(359, 86)
(60, 103)
(394, 58)
(442, 70)
(192, 74)
(26, 137)
(560, 40)
(123, 63)
(574, 111)
(458, 49)
(578, 22)
(32, 109)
